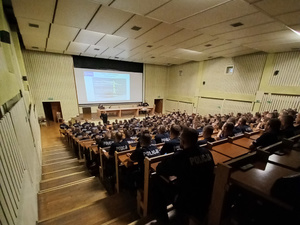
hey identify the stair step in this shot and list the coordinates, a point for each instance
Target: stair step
(59, 165)
(58, 159)
(56, 147)
(57, 155)
(99, 212)
(62, 180)
(65, 198)
(56, 151)
(62, 172)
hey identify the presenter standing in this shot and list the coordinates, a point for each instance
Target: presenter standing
(104, 117)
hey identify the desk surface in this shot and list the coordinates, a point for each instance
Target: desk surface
(260, 181)
(230, 150)
(255, 136)
(290, 160)
(219, 158)
(87, 144)
(94, 148)
(244, 142)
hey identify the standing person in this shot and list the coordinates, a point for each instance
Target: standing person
(104, 117)
(194, 169)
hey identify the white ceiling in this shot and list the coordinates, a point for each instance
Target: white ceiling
(167, 31)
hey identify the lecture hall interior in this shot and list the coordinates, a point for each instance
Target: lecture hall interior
(158, 70)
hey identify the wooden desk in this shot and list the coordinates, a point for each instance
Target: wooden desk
(260, 181)
(118, 111)
(219, 158)
(243, 142)
(255, 136)
(230, 150)
(290, 160)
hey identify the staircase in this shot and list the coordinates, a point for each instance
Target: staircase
(70, 195)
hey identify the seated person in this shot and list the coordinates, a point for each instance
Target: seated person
(119, 145)
(162, 135)
(287, 125)
(270, 136)
(242, 126)
(106, 141)
(194, 169)
(297, 124)
(227, 131)
(63, 125)
(174, 144)
(138, 155)
(128, 135)
(207, 132)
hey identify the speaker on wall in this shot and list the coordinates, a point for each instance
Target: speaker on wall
(4, 36)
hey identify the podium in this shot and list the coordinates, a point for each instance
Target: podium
(87, 113)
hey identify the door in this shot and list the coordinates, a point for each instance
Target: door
(158, 105)
(52, 111)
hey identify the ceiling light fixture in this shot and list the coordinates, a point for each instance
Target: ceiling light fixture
(149, 46)
(33, 25)
(34, 47)
(296, 32)
(96, 49)
(136, 28)
(208, 45)
(237, 24)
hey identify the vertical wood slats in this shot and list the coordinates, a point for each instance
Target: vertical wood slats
(181, 106)
(11, 171)
(288, 64)
(279, 102)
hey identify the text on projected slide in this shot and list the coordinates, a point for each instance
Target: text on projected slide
(106, 87)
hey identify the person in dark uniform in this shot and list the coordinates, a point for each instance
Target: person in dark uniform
(119, 145)
(207, 132)
(194, 169)
(145, 150)
(287, 126)
(174, 144)
(242, 126)
(270, 136)
(104, 117)
(162, 135)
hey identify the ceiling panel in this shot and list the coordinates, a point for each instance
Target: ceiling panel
(87, 55)
(183, 54)
(112, 52)
(145, 47)
(290, 18)
(34, 41)
(181, 9)
(89, 37)
(102, 56)
(63, 32)
(195, 41)
(276, 46)
(247, 21)
(32, 9)
(77, 47)
(143, 23)
(251, 31)
(285, 36)
(75, 13)
(102, 2)
(57, 44)
(95, 50)
(178, 37)
(223, 47)
(238, 53)
(126, 54)
(110, 40)
(159, 32)
(227, 11)
(209, 44)
(277, 7)
(140, 7)
(161, 49)
(115, 17)
(130, 44)
(28, 26)
(54, 51)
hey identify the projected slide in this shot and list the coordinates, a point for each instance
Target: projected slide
(107, 87)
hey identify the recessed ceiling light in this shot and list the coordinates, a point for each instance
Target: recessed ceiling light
(210, 57)
(237, 24)
(34, 47)
(149, 46)
(152, 57)
(96, 49)
(33, 25)
(116, 57)
(208, 45)
(136, 28)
